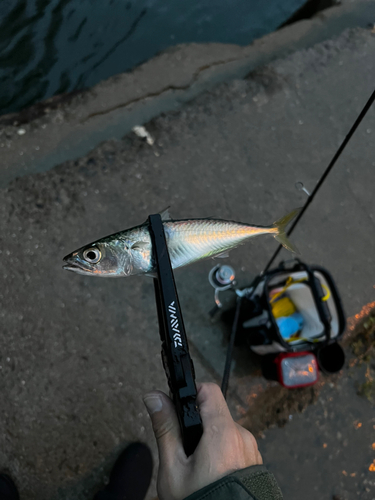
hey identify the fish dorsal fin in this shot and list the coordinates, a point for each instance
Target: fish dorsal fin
(164, 214)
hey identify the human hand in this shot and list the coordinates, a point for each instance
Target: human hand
(223, 448)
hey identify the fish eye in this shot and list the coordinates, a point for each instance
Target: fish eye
(92, 255)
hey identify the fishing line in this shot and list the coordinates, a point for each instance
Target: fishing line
(325, 174)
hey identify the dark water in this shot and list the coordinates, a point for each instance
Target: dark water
(52, 46)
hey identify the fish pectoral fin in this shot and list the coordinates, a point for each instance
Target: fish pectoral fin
(222, 255)
(140, 245)
(164, 214)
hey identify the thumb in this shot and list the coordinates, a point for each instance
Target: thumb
(165, 425)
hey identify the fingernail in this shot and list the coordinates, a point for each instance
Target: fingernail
(153, 403)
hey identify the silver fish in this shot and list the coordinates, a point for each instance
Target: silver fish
(129, 252)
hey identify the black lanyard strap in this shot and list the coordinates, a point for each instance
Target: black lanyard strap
(177, 362)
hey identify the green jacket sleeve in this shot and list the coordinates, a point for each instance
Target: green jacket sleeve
(252, 483)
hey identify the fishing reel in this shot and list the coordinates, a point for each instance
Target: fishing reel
(221, 278)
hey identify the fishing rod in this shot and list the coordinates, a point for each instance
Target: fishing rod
(225, 380)
(324, 176)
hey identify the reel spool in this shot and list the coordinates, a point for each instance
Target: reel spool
(221, 278)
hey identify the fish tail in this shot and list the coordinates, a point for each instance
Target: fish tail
(281, 236)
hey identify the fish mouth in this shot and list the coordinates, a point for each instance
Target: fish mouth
(72, 265)
(77, 269)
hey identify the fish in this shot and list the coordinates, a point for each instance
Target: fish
(129, 252)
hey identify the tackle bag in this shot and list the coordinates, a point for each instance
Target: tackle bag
(311, 293)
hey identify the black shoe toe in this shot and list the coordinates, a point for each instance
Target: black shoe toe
(131, 475)
(8, 490)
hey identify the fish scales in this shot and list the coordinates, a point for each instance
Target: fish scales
(193, 240)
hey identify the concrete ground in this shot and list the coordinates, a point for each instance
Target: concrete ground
(77, 353)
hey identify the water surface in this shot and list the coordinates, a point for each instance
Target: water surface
(52, 46)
